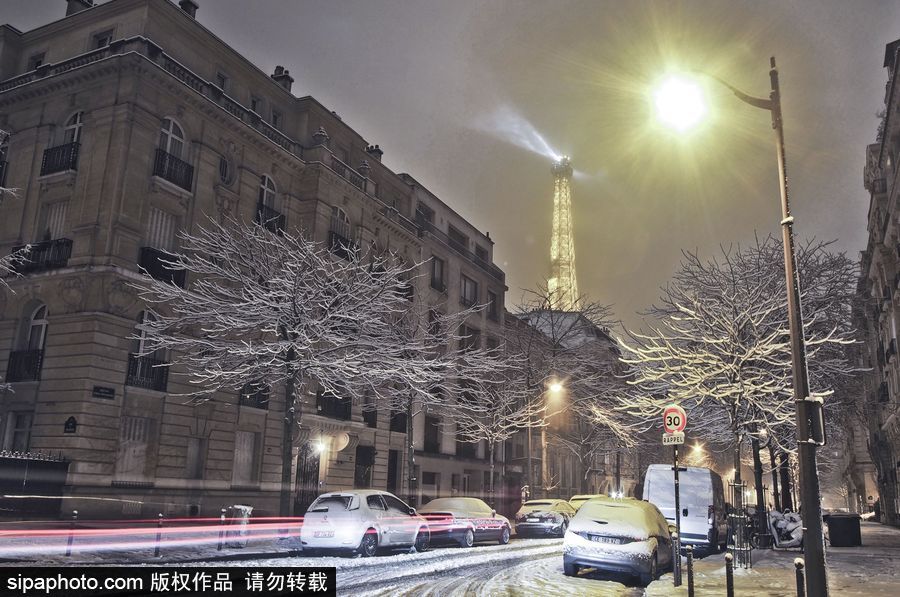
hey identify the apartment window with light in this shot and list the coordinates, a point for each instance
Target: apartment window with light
(437, 273)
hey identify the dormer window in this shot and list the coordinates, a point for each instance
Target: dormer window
(102, 39)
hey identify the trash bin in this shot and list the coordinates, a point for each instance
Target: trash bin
(240, 526)
(843, 529)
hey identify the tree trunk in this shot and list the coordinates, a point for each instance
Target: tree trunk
(410, 454)
(775, 494)
(737, 458)
(491, 480)
(787, 501)
(618, 471)
(287, 446)
(758, 480)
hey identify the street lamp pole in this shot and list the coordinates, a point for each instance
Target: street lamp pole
(810, 427)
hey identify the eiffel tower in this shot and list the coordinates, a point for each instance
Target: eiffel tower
(563, 285)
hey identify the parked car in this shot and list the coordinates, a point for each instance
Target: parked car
(629, 537)
(362, 522)
(465, 521)
(544, 517)
(704, 521)
(577, 500)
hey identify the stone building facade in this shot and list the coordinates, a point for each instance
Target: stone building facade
(128, 122)
(879, 308)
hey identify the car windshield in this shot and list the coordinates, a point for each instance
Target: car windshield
(331, 503)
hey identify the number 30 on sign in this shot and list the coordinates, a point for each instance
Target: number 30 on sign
(674, 419)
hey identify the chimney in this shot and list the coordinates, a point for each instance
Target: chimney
(283, 77)
(73, 6)
(375, 152)
(190, 7)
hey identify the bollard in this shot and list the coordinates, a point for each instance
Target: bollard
(676, 560)
(71, 533)
(221, 530)
(158, 535)
(729, 575)
(801, 588)
(690, 570)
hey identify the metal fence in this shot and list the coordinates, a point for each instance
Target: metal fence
(738, 527)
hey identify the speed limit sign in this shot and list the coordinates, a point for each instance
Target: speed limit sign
(674, 419)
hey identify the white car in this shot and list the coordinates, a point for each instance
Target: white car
(465, 520)
(362, 522)
(629, 537)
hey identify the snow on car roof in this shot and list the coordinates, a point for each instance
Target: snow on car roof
(586, 496)
(624, 517)
(542, 502)
(456, 503)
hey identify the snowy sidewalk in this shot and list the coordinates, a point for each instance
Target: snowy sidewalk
(870, 570)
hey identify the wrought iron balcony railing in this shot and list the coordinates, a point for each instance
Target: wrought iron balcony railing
(491, 269)
(147, 373)
(270, 219)
(330, 405)
(24, 365)
(46, 255)
(255, 395)
(341, 246)
(60, 158)
(173, 169)
(152, 261)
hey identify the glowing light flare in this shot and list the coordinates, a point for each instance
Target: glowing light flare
(556, 387)
(508, 125)
(679, 102)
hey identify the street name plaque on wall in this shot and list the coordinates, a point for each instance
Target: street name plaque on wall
(104, 392)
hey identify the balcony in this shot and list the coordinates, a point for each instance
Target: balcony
(425, 226)
(254, 396)
(330, 405)
(341, 246)
(60, 158)
(270, 219)
(152, 263)
(170, 168)
(147, 373)
(42, 256)
(24, 365)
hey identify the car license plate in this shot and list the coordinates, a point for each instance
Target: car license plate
(602, 539)
(532, 520)
(321, 534)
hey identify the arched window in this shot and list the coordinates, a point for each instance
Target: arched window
(171, 137)
(267, 191)
(73, 128)
(340, 223)
(37, 329)
(141, 341)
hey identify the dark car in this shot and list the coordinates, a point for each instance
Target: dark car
(544, 517)
(464, 521)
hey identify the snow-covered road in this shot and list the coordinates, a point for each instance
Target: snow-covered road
(524, 567)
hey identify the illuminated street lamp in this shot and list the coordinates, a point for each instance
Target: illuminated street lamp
(684, 108)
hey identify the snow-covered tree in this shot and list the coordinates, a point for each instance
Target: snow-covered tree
(720, 343)
(570, 345)
(498, 410)
(263, 310)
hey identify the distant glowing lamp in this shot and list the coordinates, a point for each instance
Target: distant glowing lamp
(679, 103)
(556, 387)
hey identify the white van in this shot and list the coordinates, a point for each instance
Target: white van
(702, 501)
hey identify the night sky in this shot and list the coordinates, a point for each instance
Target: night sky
(473, 97)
